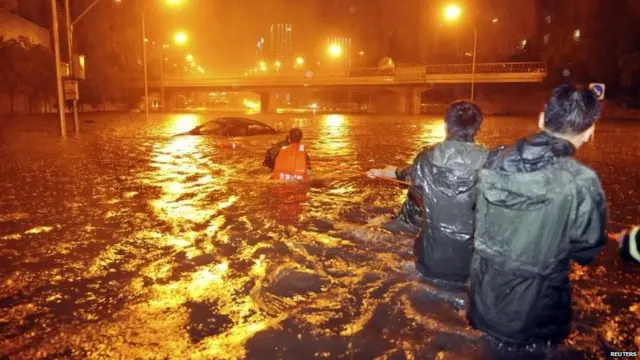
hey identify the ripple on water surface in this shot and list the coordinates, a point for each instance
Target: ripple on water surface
(128, 243)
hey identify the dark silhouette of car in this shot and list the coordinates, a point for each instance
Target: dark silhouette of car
(232, 127)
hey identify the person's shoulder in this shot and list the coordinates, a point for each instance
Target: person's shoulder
(584, 178)
(495, 156)
(424, 153)
(581, 173)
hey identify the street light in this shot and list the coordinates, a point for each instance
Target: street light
(335, 50)
(144, 54)
(189, 58)
(277, 64)
(453, 13)
(70, 24)
(180, 38)
(299, 60)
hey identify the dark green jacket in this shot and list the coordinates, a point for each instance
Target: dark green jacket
(443, 180)
(537, 209)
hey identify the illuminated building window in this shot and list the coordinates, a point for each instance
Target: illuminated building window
(547, 19)
(576, 35)
(546, 39)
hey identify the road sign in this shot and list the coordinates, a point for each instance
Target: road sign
(598, 89)
(71, 90)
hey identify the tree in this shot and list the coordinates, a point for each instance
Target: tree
(39, 77)
(13, 63)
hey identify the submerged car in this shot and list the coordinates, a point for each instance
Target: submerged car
(232, 127)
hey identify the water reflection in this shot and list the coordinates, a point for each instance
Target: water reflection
(432, 133)
(335, 136)
(182, 123)
(190, 253)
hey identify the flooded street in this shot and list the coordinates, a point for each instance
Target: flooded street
(125, 242)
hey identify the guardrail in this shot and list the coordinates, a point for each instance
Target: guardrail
(401, 73)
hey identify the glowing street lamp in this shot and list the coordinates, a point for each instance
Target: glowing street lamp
(277, 64)
(452, 13)
(299, 60)
(189, 58)
(180, 38)
(335, 50)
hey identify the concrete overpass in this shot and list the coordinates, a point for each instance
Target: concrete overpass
(406, 83)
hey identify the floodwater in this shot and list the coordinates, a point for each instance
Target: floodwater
(124, 242)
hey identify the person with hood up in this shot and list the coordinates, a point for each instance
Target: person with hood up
(443, 181)
(537, 209)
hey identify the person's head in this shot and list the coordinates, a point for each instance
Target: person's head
(463, 119)
(571, 113)
(295, 135)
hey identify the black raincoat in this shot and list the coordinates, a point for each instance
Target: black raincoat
(443, 180)
(537, 209)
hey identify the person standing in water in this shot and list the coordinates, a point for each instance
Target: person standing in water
(628, 240)
(290, 159)
(537, 209)
(443, 182)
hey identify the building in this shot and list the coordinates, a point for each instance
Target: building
(16, 21)
(260, 53)
(280, 45)
(562, 22)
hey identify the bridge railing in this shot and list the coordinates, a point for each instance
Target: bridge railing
(481, 68)
(401, 73)
(486, 68)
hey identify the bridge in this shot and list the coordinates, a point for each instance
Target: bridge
(407, 83)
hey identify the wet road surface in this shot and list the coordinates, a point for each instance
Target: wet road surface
(127, 243)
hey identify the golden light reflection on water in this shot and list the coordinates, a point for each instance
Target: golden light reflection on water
(432, 132)
(183, 123)
(335, 135)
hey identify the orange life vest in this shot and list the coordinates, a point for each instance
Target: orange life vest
(291, 163)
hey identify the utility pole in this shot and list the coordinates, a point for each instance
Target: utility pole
(162, 104)
(56, 48)
(74, 102)
(144, 60)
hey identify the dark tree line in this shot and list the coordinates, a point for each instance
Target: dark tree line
(26, 69)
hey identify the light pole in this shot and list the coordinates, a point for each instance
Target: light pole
(473, 62)
(144, 61)
(70, 26)
(56, 50)
(452, 13)
(74, 102)
(162, 76)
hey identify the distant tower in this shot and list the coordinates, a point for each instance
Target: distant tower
(280, 44)
(260, 49)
